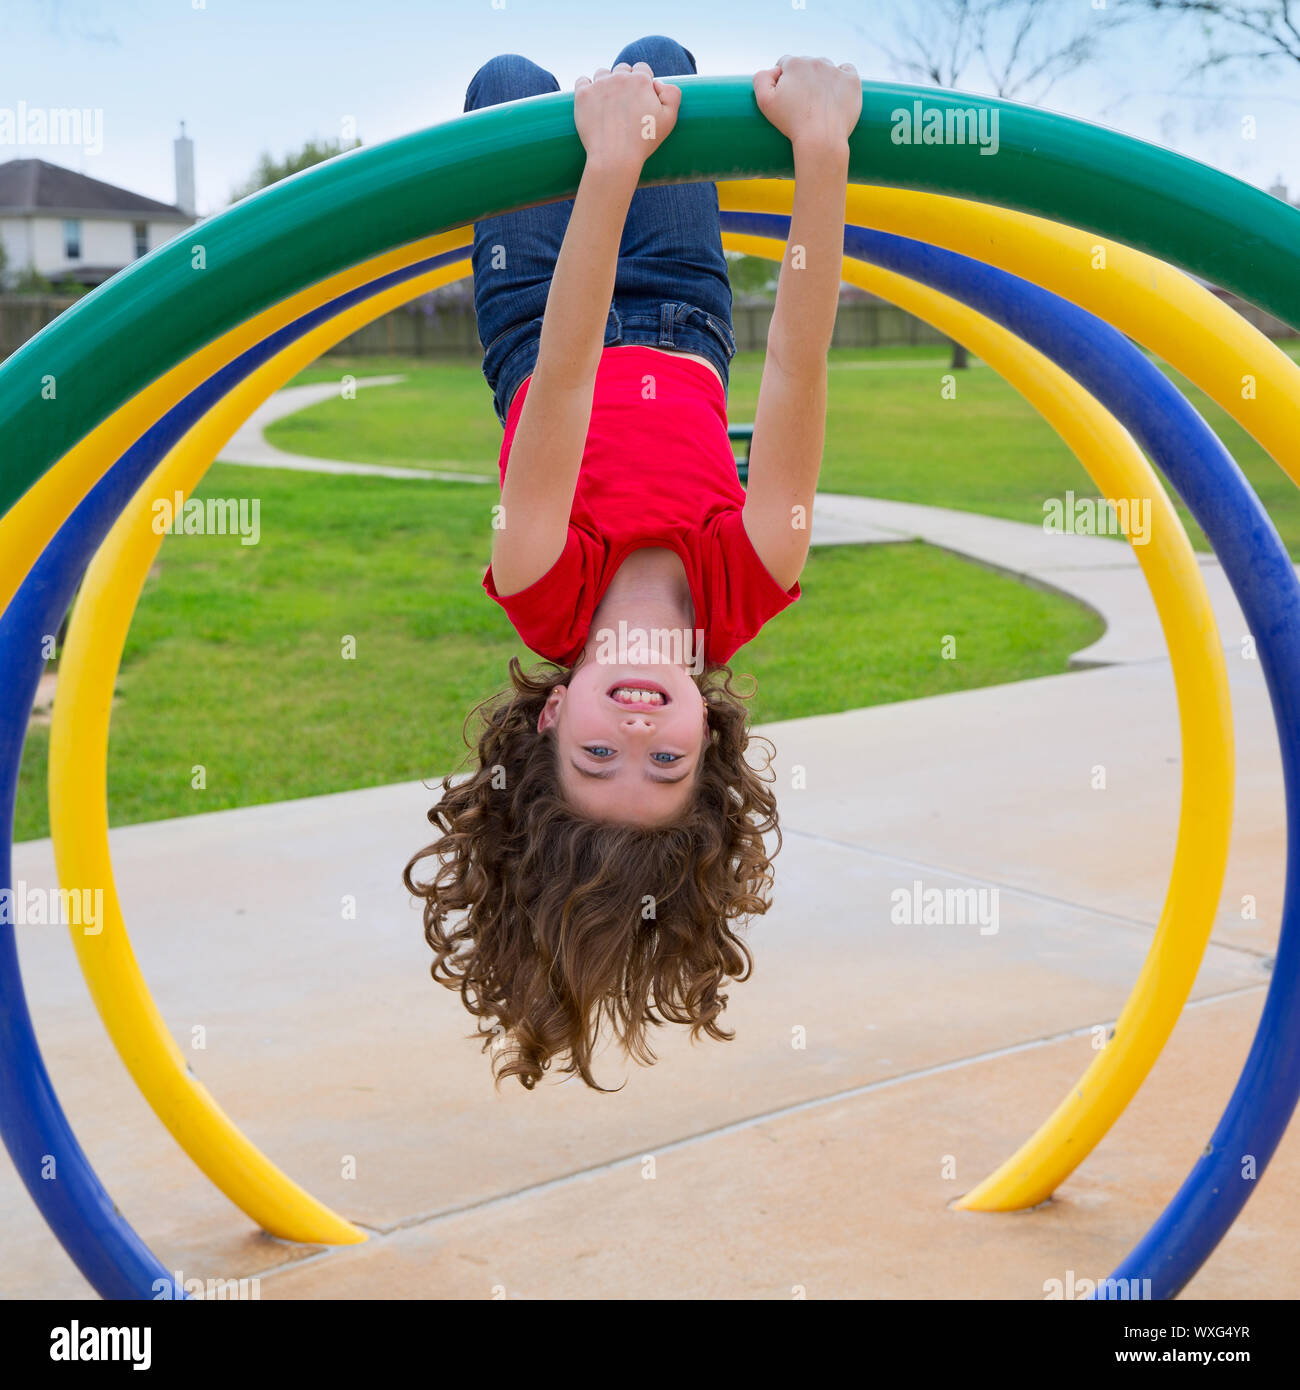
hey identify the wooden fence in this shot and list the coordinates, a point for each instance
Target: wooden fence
(452, 331)
(447, 328)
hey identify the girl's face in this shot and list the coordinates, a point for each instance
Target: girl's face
(629, 740)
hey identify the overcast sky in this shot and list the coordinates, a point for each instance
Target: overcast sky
(254, 75)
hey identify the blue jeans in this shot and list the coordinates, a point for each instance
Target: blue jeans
(671, 288)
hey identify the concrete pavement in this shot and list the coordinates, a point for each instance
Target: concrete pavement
(927, 1051)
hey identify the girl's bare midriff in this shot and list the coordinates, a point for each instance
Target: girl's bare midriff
(677, 352)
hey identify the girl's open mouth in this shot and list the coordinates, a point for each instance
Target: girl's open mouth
(639, 694)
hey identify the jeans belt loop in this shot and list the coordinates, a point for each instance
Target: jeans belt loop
(666, 323)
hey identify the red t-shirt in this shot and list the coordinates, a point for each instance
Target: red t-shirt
(657, 470)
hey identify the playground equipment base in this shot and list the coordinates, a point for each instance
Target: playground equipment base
(747, 1170)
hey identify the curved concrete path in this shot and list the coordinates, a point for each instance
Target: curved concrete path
(250, 447)
(1101, 573)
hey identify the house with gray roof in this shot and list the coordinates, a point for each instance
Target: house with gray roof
(65, 225)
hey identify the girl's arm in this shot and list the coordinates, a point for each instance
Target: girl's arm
(621, 118)
(817, 106)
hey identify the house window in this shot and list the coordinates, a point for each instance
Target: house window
(72, 238)
(141, 233)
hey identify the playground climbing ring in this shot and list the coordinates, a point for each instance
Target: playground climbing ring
(1042, 260)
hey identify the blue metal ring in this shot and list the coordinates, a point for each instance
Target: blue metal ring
(74, 1203)
(1259, 569)
(80, 1212)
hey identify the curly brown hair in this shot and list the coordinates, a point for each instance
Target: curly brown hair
(571, 923)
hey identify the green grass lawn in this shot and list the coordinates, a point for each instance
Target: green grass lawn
(442, 414)
(888, 433)
(234, 660)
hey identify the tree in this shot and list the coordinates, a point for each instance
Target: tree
(269, 170)
(750, 275)
(31, 281)
(1262, 33)
(1014, 49)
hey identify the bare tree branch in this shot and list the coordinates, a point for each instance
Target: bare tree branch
(941, 53)
(1020, 44)
(1273, 21)
(1023, 47)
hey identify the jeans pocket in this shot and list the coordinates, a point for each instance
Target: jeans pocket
(525, 329)
(720, 330)
(519, 328)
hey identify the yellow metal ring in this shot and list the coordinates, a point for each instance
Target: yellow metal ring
(78, 779)
(272, 378)
(1119, 469)
(1152, 302)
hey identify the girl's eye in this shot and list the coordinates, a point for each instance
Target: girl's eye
(667, 757)
(600, 751)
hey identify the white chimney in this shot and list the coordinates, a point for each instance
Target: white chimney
(184, 148)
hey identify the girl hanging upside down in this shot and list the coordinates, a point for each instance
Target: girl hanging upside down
(593, 867)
